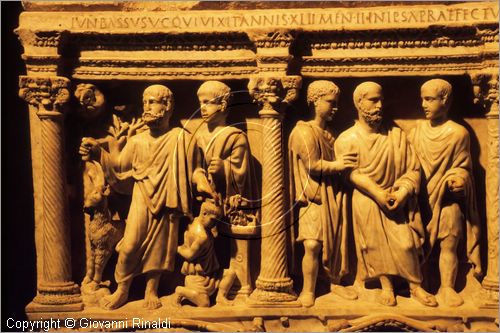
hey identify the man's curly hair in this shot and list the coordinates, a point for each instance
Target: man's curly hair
(320, 88)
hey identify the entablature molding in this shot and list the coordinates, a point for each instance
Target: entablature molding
(232, 44)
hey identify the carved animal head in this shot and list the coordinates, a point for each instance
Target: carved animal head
(95, 189)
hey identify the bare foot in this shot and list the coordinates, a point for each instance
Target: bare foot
(89, 287)
(344, 292)
(450, 297)
(113, 301)
(221, 300)
(387, 298)
(307, 299)
(423, 297)
(151, 302)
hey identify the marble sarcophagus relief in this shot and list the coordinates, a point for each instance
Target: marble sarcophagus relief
(321, 166)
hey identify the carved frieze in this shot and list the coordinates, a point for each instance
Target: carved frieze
(328, 217)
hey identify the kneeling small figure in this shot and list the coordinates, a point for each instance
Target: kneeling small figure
(201, 266)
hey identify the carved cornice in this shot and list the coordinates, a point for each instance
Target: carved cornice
(401, 38)
(147, 63)
(47, 93)
(163, 42)
(157, 74)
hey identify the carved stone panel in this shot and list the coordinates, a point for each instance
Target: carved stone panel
(318, 166)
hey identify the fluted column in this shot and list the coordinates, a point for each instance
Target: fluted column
(273, 94)
(55, 287)
(486, 92)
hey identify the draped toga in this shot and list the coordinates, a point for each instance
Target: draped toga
(316, 197)
(385, 245)
(231, 145)
(160, 195)
(444, 153)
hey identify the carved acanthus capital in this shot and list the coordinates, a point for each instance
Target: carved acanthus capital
(274, 93)
(47, 93)
(492, 96)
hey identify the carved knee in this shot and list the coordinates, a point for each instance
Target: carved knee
(312, 246)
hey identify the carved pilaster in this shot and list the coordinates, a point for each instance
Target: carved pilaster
(273, 94)
(55, 287)
(486, 93)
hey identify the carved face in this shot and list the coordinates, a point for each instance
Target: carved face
(370, 107)
(212, 109)
(326, 106)
(433, 104)
(154, 111)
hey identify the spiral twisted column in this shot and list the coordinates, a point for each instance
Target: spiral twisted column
(55, 286)
(490, 282)
(485, 89)
(273, 284)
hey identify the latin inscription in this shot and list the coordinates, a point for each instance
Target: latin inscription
(228, 21)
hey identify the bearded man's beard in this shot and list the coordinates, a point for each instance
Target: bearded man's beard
(152, 119)
(372, 118)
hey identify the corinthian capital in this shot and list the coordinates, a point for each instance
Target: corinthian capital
(274, 93)
(47, 93)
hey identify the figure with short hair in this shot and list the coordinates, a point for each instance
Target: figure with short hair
(201, 266)
(224, 169)
(156, 161)
(387, 227)
(443, 147)
(315, 185)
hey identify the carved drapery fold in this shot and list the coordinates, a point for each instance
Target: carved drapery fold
(273, 94)
(55, 286)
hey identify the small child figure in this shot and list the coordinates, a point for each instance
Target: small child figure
(201, 266)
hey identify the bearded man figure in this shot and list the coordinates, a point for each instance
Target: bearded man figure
(156, 161)
(387, 227)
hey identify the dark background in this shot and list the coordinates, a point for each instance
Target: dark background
(18, 242)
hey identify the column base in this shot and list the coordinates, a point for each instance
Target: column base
(56, 297)
(271, 293)
(487, 298)
(34, 307)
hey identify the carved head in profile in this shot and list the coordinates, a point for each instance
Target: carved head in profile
(322, 98)
(368, 100)
(214, 98)
(436, 99)
(158, 103)
(210, 212)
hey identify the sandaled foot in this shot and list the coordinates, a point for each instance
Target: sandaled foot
(450, 297)
(307, 299)
(387, 297)
(423, 297)
(344, 292)
(151, 302)
(113, 301)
